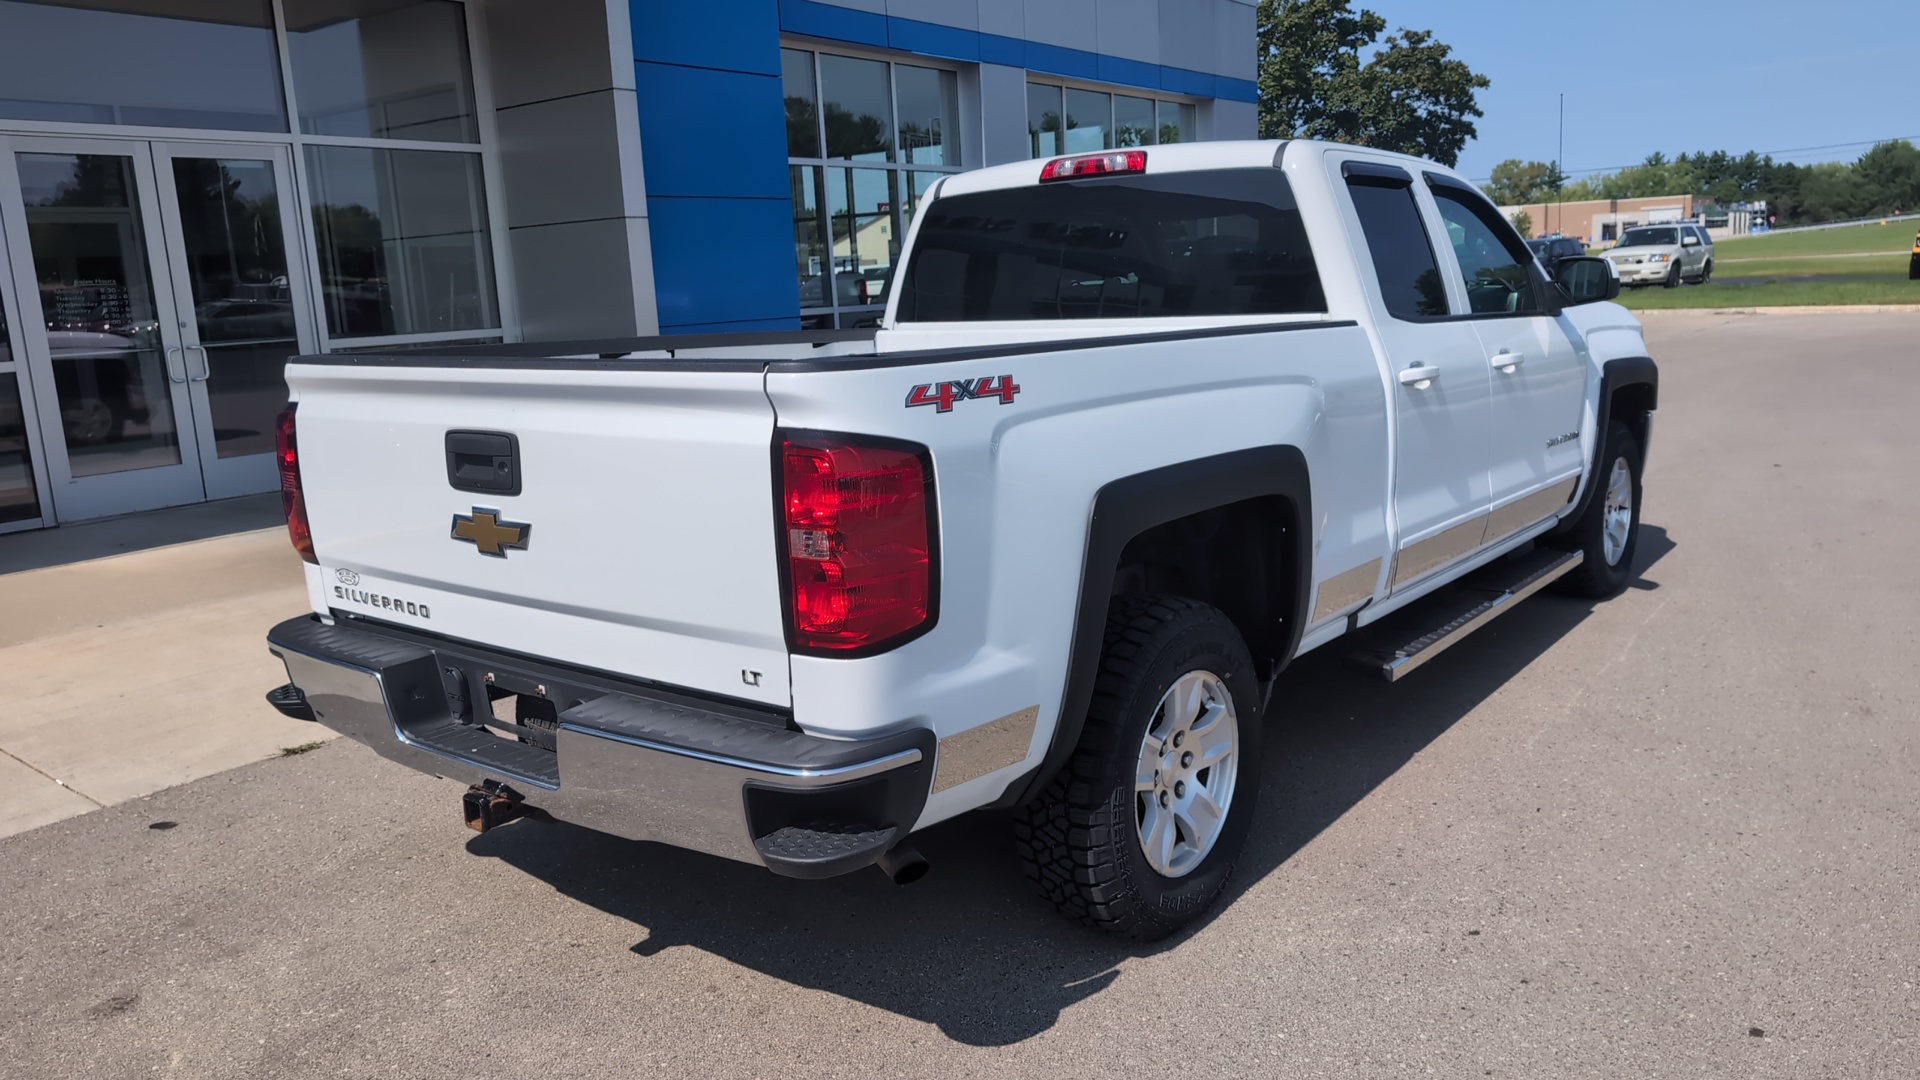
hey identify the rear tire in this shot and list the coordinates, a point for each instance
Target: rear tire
(1609, 530)
(1176, 708)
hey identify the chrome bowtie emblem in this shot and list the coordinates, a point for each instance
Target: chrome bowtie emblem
(487, 533)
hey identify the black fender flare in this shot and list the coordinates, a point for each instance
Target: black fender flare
(1615, 375)
(1123, 509)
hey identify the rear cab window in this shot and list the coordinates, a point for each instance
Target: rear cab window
(1397, 240)
(1212, 243)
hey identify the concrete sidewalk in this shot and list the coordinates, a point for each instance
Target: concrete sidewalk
(127, 667)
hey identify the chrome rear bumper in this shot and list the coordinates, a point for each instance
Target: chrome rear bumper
(633, 761)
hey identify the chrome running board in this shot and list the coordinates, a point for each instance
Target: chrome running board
(1491, 592)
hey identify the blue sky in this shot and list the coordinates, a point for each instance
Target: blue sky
(1674, 76)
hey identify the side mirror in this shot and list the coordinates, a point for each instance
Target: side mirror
(1689, 241)
(1587, 279)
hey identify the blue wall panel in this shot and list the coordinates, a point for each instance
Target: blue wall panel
(730, 35)
(714, 141)
(837, 23)
(723, 261)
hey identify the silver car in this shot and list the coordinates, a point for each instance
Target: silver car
(1663, 254)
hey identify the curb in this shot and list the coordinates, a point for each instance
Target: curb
(1787, 309)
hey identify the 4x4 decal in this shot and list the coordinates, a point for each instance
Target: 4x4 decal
(942, 395)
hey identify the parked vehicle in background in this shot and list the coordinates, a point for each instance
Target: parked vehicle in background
(1551, 249)
(1663, 254)
(1139, 428)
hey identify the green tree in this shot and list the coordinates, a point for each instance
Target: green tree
(1889, 175)
(1517, 182)
(1411, 96)
(1523, 223)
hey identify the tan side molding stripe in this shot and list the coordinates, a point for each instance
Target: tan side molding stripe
(1438, 550)
(976, 752)
(1346, 589)
(1522, 512)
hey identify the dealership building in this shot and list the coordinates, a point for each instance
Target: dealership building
(193, 190)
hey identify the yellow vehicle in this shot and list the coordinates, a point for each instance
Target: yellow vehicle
(1913, 264)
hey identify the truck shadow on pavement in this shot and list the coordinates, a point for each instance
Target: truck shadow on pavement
(971, 950)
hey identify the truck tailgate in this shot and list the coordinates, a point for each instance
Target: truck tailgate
(646, 496)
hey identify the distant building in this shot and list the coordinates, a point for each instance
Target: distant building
(1599, 221)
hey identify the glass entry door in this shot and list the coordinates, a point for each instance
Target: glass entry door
(157, 305)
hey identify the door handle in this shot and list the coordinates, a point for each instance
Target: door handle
(171, 376)
(206, 363)
(1507, 361)
(1420, 377)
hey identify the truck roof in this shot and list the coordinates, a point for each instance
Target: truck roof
(1181, 157)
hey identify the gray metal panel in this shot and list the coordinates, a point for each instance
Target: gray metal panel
(1062, 22)
(584, 279)
(1003, 113)
(561, 160)
(1235, 120)
(541, 50)
(1233, 30)
(964, 14)
(1186, 34)
(1008, 18)
(1129, 29)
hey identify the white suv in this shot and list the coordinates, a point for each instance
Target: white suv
(1667, 254)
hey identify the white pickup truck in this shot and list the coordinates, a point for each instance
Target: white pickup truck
(1138, 429)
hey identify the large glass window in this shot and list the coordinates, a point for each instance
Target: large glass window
(1402, 255)
(1208, 243)
(1074, 120)
(866, 139)
(403, 242)
(154, 63)
(380, 69)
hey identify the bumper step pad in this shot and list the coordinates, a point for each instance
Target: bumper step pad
(822, 851)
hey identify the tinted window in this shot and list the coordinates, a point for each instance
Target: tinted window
(1203, 243)
(1493, 262)
(1402, 255)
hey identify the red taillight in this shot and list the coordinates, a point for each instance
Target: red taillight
(857, 518)
(287, 454)
(1116, 161)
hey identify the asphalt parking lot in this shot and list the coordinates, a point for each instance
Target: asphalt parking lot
(1673, 835)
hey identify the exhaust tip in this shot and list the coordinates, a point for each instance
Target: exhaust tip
(904, 864)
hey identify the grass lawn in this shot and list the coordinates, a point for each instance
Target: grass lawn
(1880, 263)
(1895, 236)
(1774, 294)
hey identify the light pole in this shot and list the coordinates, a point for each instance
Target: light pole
(1560, 158)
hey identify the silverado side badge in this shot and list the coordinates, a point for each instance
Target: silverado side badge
(491, 536)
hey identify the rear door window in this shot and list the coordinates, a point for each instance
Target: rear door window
(1403, 259)
(1225, 242)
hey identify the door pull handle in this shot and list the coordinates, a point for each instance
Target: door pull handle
(181, 377)
(1420, 377)
(1508, 362)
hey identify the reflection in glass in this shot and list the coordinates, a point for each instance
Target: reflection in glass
(1088, 121)
(858, 108)
(803, 118)
(381, 69)
(89, 253)
(1178, 123)
(917, 185)
(1043, 119)
(861, 202)
(809, 235)
(176, 63)
(929, 113)
(18, 502)
(1133, 121)
(237, 273)
(403, 241)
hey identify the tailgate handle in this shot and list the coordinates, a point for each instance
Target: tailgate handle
(483, 462)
